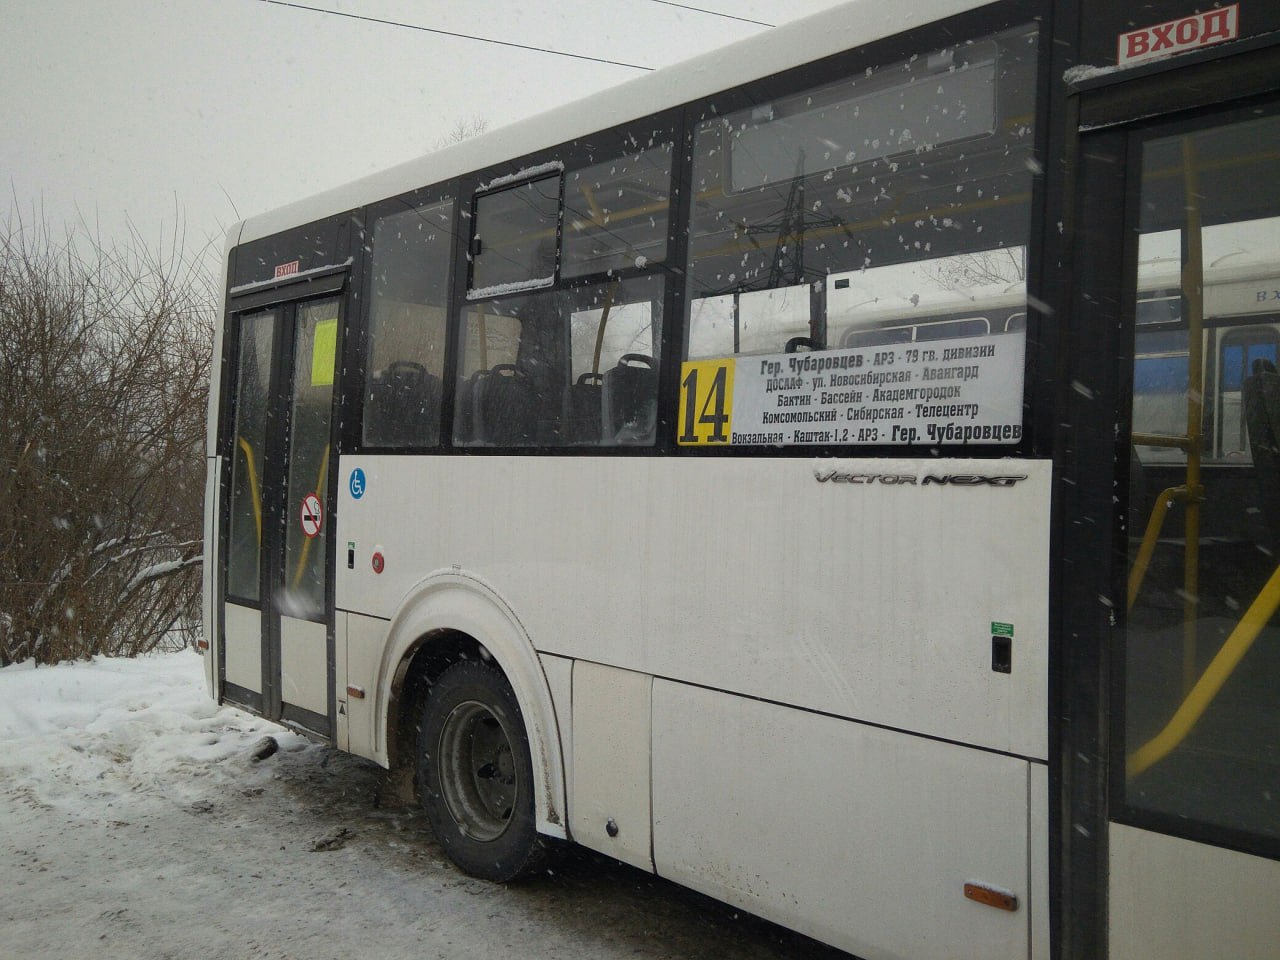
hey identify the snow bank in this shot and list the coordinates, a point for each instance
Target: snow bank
(81, 736)
(134, 826)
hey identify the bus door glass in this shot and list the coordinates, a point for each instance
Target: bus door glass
(302, 599)
(241, 662)
(1200, 729)
(279, 587)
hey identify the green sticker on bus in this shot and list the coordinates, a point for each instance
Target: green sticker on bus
(1001, 629)
(324, 353)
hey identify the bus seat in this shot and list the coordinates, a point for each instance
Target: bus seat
(805, 344)
(629, 398)
(582, 409)
(1262, 420)
(404, 406)
(506, 407)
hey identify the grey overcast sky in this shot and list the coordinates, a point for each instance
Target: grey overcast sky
(200, 112)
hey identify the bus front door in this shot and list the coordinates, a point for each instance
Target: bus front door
(1172, 825)
(277, 646)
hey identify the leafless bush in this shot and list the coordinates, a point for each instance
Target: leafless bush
(104, 359)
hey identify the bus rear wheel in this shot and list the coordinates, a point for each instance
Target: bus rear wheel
(476, 777)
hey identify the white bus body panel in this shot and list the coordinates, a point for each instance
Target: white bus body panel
(756, 578)
(559, 673)
(1175, 898)
(611, 762)
(243, 630)
(1038, 874)
(304, 664)
(860, 836)
(366, 641)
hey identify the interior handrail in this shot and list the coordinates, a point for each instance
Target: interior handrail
(253, 487)
(1155, 524)
(1211, 681)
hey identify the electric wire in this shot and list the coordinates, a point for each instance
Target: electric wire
(450, 33)
(713, 13)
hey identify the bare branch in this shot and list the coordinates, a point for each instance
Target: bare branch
(104, 358)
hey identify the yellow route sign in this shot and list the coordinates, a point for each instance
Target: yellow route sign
(706, 402)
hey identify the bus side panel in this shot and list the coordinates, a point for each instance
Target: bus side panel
(242, 633)
(1174, 898)
(1038, 884)
(609, 808)
(304, 677)
(862, 837)
(366, 639)
(807, 582)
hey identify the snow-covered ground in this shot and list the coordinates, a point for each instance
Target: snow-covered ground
(134, 823)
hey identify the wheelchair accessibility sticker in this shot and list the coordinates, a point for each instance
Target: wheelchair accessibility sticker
(357, 483)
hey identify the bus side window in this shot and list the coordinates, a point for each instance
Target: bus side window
(404, 362)
(514, 242)
(1244, 351)
(613, 333)
(616, 213)
(490, 341)
(571, 367)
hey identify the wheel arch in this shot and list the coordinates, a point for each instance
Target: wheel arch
(453, 615)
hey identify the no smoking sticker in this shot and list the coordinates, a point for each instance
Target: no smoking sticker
(312, 515)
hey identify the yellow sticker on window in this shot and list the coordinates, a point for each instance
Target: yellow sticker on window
(324, 353)
(706, 401)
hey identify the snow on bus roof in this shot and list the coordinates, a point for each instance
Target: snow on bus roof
(793, 44)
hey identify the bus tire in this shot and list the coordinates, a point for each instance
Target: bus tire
(475, 775)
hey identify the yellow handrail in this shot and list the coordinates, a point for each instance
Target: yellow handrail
(1215, 675)
(1155, 524)
(1198, 693)
(604, 319)
(253, 488)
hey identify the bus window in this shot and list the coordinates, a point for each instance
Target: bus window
(516, 232)
(1242, 351)
(822, 220)
(616, 213)
(519, 387)
(1201, 654)
(253, 381)
(407, 318)
(310, 414)
(713, 327)
(1160, 379)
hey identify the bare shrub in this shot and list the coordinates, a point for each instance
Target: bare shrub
(104, 360)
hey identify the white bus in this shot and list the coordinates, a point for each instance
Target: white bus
(839, 474)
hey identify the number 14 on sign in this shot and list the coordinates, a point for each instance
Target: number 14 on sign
(706, 401)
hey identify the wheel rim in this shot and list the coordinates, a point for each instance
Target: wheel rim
(477, 771)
